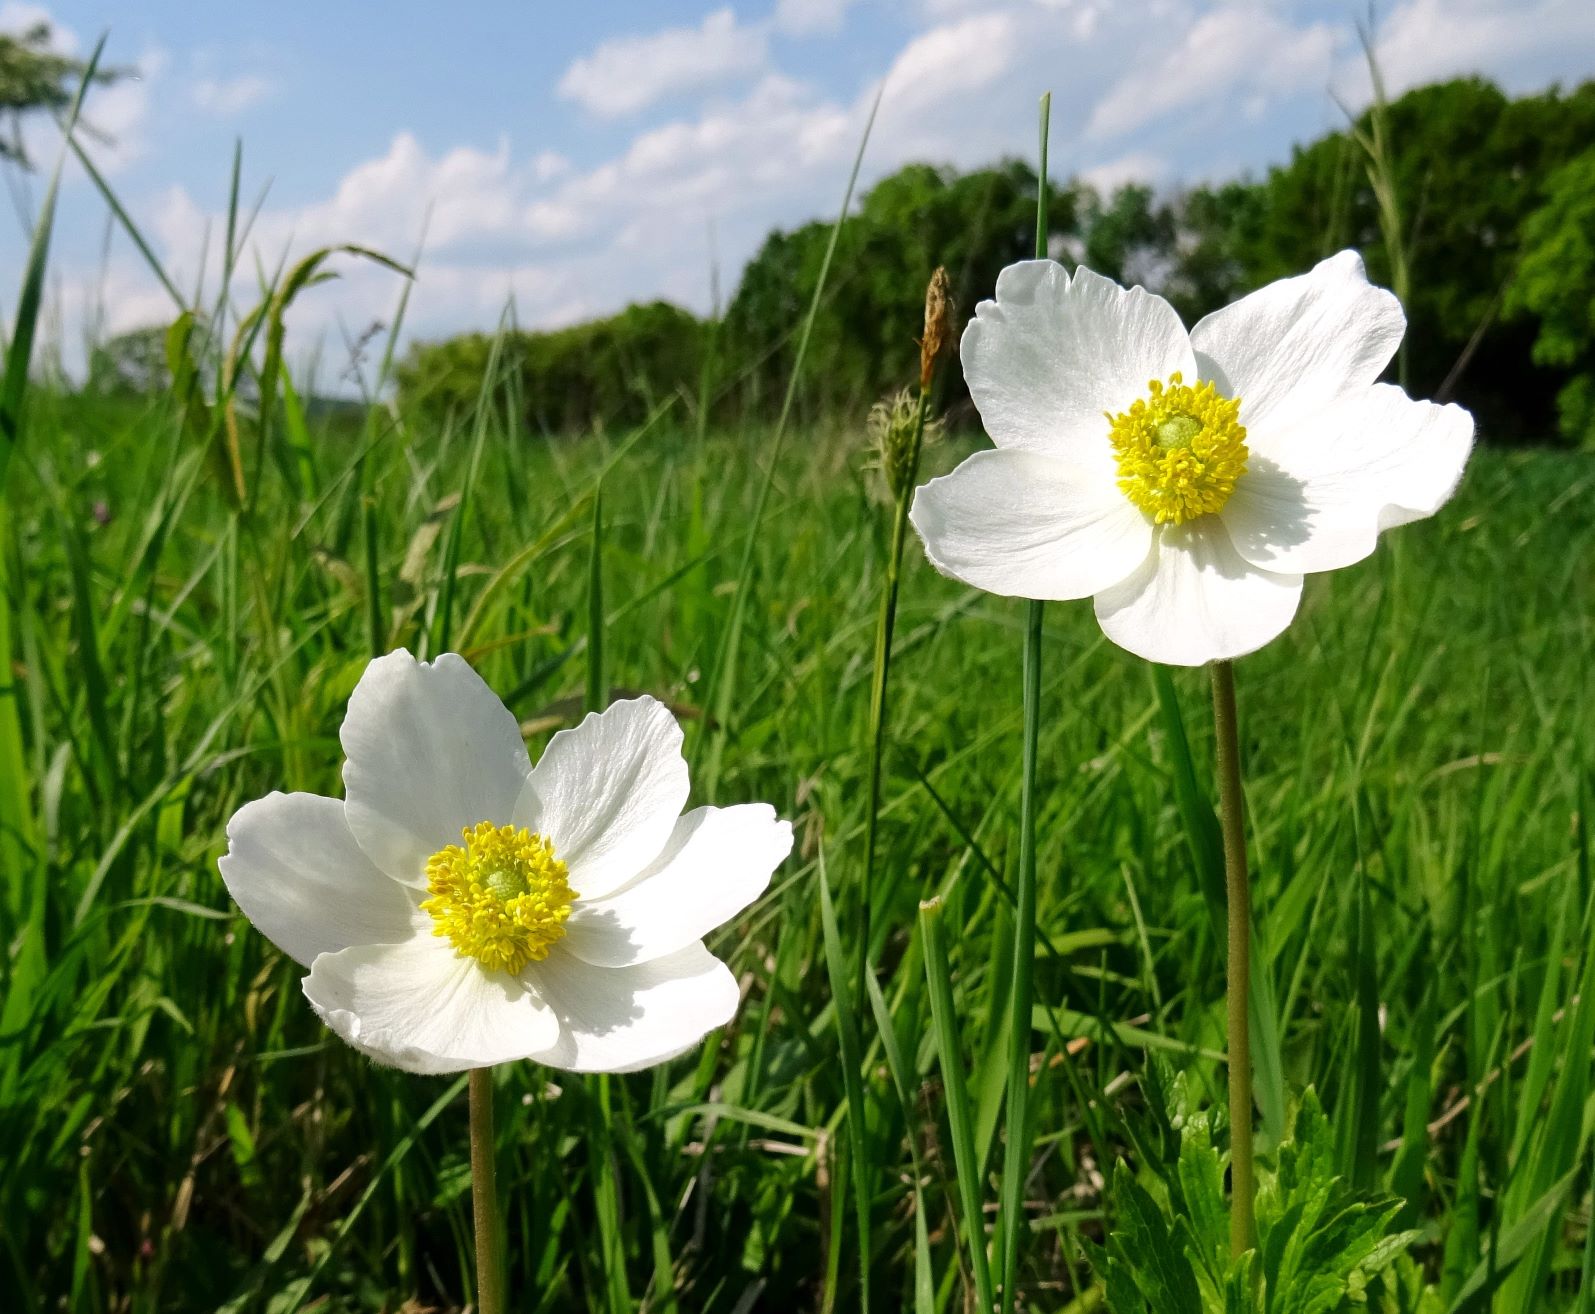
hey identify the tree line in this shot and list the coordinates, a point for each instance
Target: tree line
(1483, 209)
(1494, 201)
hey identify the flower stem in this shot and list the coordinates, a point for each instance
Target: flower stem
(484, 1198)
(885, 625)
(1242, 1226)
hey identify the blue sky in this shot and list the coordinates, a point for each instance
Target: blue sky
(574, 157)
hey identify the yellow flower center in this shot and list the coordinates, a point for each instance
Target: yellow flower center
(502, 899)
(1180, 450)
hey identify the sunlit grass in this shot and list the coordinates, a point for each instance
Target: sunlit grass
(179, 1131)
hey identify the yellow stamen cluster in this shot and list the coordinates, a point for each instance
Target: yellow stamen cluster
(502, 899)
(1180, 450)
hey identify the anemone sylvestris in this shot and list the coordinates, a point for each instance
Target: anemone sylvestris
(460, 907)
(1185, 481)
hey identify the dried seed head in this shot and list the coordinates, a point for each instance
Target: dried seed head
(938, 337)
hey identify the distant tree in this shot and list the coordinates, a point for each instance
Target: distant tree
(1130, 236)
(863, 341)
(1556, 284)
(1470, 165)
(130, 364)
(34, 78)
(1215, 231)
(610, 371)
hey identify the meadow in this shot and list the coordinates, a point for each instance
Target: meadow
(180, 1133)
(193, 579)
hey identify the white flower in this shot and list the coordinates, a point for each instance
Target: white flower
(1186, 481)
(461, 907)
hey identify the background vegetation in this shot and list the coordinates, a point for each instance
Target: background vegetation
(1492, 197)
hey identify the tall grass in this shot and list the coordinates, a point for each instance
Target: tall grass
(179, 1133)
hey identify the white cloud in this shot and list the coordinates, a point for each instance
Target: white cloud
(1136, 167)
(1225, 54)
(462, 196)
(811, 17)
(547, 165)
(960, 57)
(1509, 40)
(229, 96)
(567, 244)
(626, 74)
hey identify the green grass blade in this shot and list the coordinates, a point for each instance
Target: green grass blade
(597, 680)
(723, 675)
(967, 1164)
(860, 1157)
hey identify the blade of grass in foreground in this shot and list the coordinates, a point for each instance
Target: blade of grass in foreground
(1016, 1161)
(847, 1035)
(722, 676)
(965, 1163)
(722, 684)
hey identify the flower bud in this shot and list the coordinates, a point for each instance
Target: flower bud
(894, 430)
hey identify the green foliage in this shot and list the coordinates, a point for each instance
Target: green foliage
(130, 364)
(609, 371)
(35, 79)
(863, 346)
(1556, 284)
(1469, 167)
(1321, 1244)
(1130, 236)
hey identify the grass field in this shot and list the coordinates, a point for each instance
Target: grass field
(178, 1132)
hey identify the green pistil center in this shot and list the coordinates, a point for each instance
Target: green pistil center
(1177, 431)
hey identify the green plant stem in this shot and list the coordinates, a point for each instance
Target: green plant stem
(484, 1198)
(965, 1162)
(1017, 1160)
(1238, 985)
(885, 625)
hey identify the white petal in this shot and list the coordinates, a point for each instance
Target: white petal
(1195, 600)
(1051, 354)
(619, 1019)
(1372, 461)
(1027, 525)
(1291, 348)
(608, 793)
(422, 1007)
(293, 867)
(430, 751)
(718, 861)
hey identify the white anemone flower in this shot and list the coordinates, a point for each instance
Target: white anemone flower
(1185, 480)
(460, 907)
